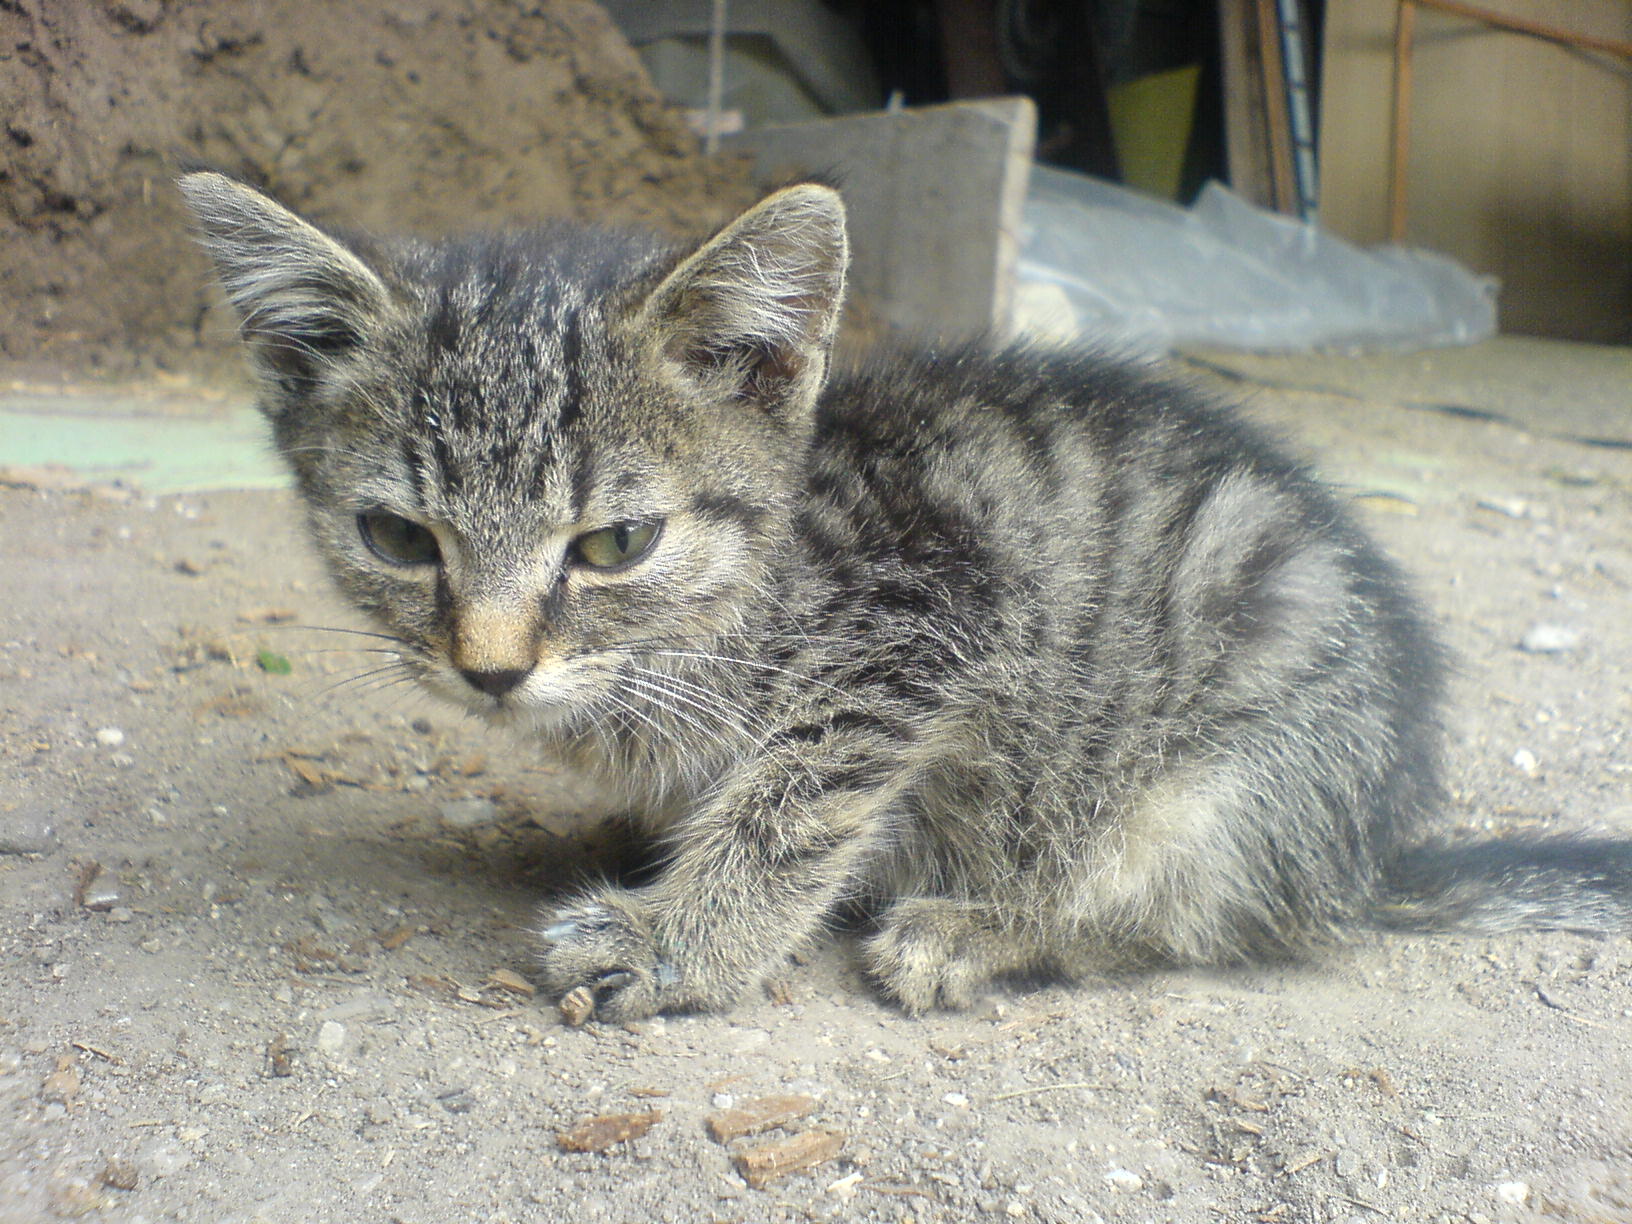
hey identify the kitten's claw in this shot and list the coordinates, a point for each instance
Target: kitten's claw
(605, 947)
(586, 921)
(556, 932)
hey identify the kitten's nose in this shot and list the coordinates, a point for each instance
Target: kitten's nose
(496, 683)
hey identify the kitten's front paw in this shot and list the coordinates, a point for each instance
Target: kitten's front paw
(929, 953)
(606, 945)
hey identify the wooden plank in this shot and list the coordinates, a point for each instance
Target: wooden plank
(1280, 126)
(935, 198)
(1246, 133)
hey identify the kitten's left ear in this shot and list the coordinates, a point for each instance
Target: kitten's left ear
(305, 303)
(751, 316)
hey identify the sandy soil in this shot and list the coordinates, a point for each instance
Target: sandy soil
(263, 923)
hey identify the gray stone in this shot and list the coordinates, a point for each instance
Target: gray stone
(27, 832)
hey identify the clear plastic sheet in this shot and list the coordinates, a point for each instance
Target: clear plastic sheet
(1100, 262)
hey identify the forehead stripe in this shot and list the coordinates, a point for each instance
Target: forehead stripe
(572, 350)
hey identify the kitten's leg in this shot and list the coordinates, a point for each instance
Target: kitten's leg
(751, 875)
(935, 952)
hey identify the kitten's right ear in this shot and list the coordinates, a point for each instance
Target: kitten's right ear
(304, 301)
(751, 316)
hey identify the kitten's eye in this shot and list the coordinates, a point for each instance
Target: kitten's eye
(396, 540)
(618, 545)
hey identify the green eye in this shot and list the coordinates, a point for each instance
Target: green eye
(396, 540)
(615, 546)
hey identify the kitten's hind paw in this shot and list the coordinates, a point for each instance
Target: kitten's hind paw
(934, 953)
(605, 946)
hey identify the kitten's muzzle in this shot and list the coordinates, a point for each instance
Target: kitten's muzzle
(495, 645)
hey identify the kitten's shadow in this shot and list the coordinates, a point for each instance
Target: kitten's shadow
(517, 853)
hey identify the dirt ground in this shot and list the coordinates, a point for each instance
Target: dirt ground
(419, 116)
(264, 949)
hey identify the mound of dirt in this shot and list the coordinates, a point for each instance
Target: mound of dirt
(418, 115)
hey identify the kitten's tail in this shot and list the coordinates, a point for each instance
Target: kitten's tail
(1514, 884)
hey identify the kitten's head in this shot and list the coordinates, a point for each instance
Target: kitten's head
(533, 458)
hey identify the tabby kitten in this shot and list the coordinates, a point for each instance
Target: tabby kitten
(1047, 662)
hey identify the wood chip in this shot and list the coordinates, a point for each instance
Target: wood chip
(100, 1053)
(316, 779)
(118, 1174)
(62, 1085)
(760, 1114)
(605, 1130)
(766, 1162)
(278, 1052)
(84, 874)
(236, 704)
(267, 616)
(576, 1006)
(514, 983)
(1304, 1161)
(438, 984)
(393, 939)
(1385, 1083)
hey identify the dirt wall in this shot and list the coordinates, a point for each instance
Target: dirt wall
(419, 116)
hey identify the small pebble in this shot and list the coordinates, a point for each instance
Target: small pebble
(103, 893)
(110, 737)
(1545, 638)
(1125, 1180)
(457, 1101)
(1525, 760)
(119, 1174)
(468, 813)
(1515, 1192)
(330, 1037)
(1512, 507)
(163, 1159)
(722, 1100)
